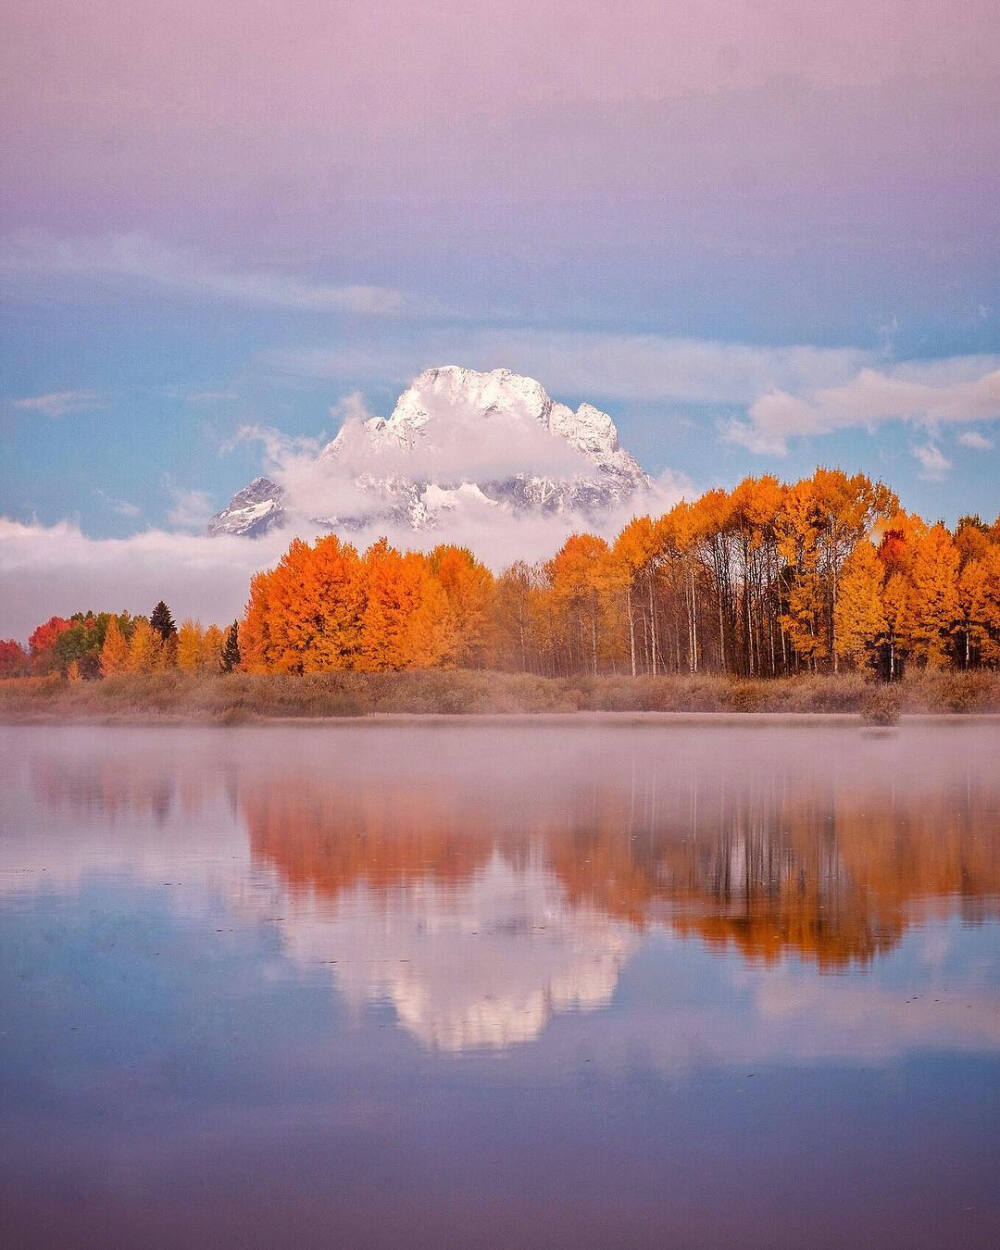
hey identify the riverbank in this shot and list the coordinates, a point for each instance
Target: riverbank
(238, 698)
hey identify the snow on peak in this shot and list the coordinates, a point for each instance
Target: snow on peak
(457, 436)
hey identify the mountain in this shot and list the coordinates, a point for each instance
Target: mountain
(456, 439)
(252, 511)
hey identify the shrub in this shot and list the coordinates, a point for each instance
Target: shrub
(881, 705)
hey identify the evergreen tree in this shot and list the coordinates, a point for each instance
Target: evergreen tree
(162, 621)
(231, 651)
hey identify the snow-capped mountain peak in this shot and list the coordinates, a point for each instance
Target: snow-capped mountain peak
(457, 437)
(252, 511)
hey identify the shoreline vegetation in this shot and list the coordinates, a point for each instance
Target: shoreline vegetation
(246, 698)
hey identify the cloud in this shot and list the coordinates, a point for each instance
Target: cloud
(934, 465)
(934, 392)
(61, 403)
(191, 509)
(596, 364)
(46, 569)
(787, 392)
(975, 440)
(137, 257)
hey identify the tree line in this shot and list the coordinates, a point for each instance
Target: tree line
(768, 579)
(89, 645)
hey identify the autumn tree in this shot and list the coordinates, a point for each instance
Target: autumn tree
(583, 580)
(970, 599)
(933, 602)
(896, 614)
(989, 637)
(145, 648)
(406, 621)
(115, 652)
(470, 590)
(637, 554)
(212, 645)
(846, 509)
(859, 615)
(516, 642)
(256, 651)
(42, 645)
(803, 592)
(14, 661)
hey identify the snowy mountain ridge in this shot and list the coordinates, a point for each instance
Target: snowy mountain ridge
(455, 439)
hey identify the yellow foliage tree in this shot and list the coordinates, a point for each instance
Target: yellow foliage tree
(933, 602)
(470, 591)
(583, 580)
(114, 653)
(860, 614)
(990, 639)
(190, 636)
(213, 640)
(896, 611)
(144, 649)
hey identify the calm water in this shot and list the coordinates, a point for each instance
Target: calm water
(461, 986)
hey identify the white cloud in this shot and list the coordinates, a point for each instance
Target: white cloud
(139, 258)
(932, 392)
(975, 440)
(191, 510)
(788, 391)
(46, 569)
(934, 465)
(596, 364)
(61, 403)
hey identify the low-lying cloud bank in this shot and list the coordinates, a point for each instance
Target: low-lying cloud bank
(48, 570)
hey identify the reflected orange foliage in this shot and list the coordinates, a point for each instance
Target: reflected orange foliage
(769, 869)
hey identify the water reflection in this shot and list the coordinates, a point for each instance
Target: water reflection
(820, 847)
(482, 880)
(476, 986)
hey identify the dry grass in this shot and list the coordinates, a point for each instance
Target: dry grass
(239, 697)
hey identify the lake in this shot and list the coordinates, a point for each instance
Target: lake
(494, 985)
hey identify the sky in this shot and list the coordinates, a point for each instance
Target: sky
(761, 235)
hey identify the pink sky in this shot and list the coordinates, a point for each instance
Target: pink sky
(121, 113)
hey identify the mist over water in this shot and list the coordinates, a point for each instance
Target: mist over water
(487, 984)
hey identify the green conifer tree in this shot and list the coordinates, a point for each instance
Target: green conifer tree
(162, 621)
(231, 651)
